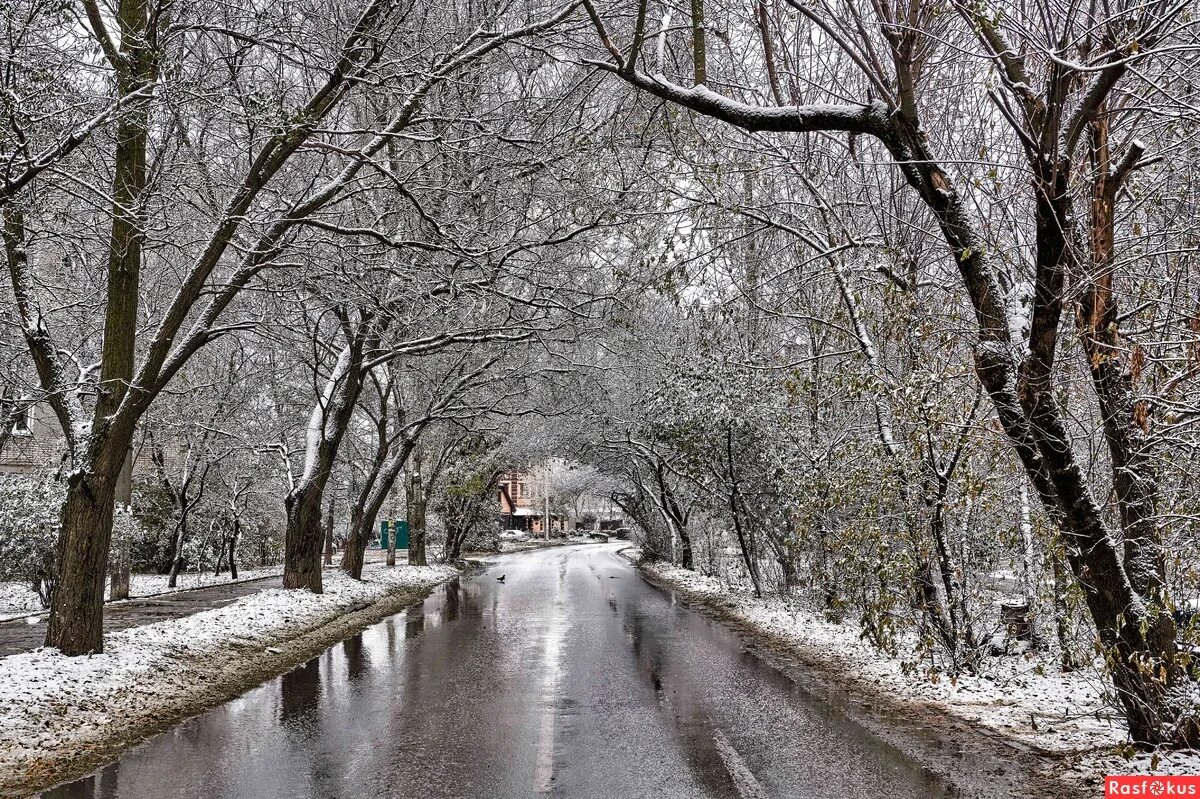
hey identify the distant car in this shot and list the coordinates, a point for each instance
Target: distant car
(513, 535)
(623, 533)
(601, 537)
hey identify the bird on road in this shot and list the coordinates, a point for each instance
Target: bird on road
(500, 579)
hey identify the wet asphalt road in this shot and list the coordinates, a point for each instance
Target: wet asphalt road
(571, 678)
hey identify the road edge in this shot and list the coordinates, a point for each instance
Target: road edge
(876, 709)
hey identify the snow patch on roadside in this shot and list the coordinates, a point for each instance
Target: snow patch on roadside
(51, 704)
(1022, 697)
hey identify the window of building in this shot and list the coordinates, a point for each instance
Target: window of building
(21, 423)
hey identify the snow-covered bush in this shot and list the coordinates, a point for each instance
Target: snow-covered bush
(151, 544)
(261, 540)
(466, 502)
(435, 531)
(483, 537)
(30, 508)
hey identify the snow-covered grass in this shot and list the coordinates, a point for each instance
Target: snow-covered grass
(1022, 697)
(54, 707)
(18, 599)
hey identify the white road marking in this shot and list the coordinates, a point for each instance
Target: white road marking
(556, 633)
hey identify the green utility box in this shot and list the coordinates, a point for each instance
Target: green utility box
(401, 534)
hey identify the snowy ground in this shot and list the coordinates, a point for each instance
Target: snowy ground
(18, 599)
(51, 705)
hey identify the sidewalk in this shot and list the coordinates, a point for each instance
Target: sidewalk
(29, 632)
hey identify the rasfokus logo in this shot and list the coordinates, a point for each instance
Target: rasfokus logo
(1153, 786)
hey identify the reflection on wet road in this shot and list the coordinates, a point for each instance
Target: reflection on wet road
(571, 678)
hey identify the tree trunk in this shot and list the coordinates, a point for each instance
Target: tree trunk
(360, 536)
(1064, 627)
(676, 518)
(329, 532)
(177, 559)
(233, 545)
(699, 51)
(365, 514)
(327, 428)
(961, 643)
(416, 538)
(76, 625)
(686, 558)
(934, 607)
(362, 524)
(302, 539)
(77, 611)
(455, 536)
(416, 514)
(119, 571)
(1126, 422)
(1136, 631)
(416, 518)
(749, 556)
(392, 531)
(354, 552)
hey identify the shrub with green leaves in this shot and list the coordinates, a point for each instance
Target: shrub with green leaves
(30, 508)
